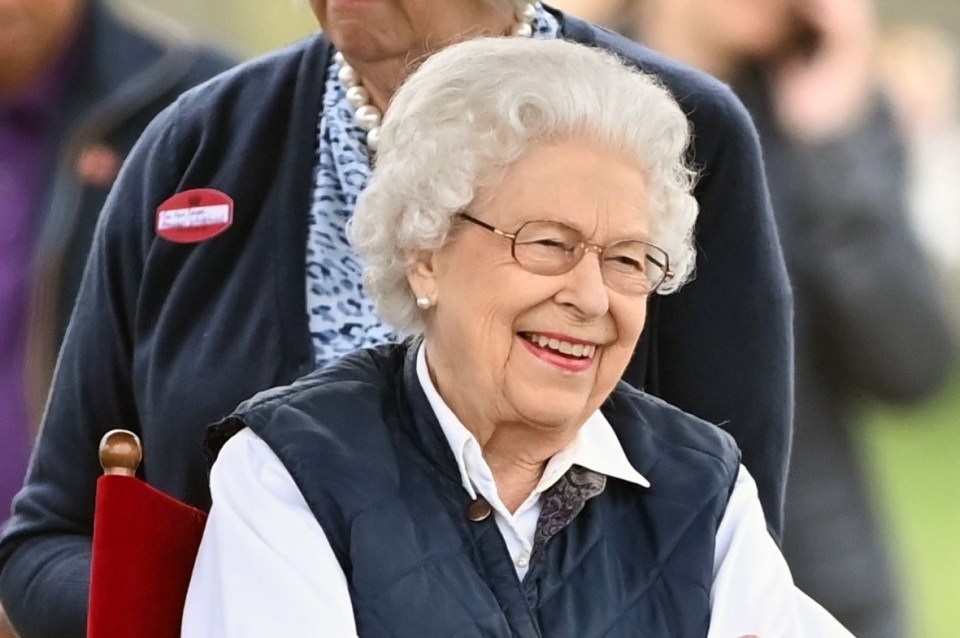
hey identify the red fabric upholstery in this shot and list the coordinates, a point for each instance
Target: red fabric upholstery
(144, 546)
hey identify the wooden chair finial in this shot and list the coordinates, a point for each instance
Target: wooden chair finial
(120, 453)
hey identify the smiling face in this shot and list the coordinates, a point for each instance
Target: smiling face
(505, 345)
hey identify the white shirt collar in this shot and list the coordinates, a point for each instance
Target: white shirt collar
(595, 447)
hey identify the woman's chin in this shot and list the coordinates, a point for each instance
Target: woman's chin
(551, 409)
(549, 396)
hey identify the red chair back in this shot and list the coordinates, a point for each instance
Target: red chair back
(144, 547)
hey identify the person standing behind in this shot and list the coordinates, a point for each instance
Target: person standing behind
(221, 268)
(77, 86)
(869, 322)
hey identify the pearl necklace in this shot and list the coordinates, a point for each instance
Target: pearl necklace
(367, 116)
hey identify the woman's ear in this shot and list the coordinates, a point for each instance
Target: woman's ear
(421, 275)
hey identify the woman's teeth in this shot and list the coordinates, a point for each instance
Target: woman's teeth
(563, 347)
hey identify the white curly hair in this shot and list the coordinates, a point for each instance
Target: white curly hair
(470, 111)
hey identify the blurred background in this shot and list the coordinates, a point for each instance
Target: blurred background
(251, 28)
(912, 454)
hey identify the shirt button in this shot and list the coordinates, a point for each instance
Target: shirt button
(522, 560)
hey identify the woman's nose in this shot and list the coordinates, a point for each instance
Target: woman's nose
(584, 288)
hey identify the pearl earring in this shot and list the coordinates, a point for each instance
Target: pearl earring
(423, 303)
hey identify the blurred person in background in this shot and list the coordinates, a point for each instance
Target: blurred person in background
(77, 86)
(221, 268)
(869, 320)
(921, 70)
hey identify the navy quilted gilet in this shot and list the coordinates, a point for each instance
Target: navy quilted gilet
(361, 442)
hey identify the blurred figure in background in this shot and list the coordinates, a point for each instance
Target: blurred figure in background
(77, 85)
(921, 69)
(869, 320)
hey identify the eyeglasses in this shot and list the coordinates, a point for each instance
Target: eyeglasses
(632, 266)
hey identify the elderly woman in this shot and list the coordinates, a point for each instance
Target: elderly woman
(492, 476)
(221, 268)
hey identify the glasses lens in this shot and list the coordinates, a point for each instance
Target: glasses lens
(547, 248)
(634, 267)
(551, 248)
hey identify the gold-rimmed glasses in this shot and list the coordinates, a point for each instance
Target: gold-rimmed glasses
(629, 266)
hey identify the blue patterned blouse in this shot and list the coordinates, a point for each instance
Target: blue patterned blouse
(342, 318)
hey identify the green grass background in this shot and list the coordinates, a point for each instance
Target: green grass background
(914, 456)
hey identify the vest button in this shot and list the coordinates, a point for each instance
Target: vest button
(479, 510)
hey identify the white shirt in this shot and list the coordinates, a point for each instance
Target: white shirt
(266, 568)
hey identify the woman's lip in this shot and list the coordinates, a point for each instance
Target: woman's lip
(559, 336)
(555, 359)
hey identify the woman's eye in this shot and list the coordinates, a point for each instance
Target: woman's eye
(625, 262)
(552, 243)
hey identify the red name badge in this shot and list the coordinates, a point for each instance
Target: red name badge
(194, 215)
